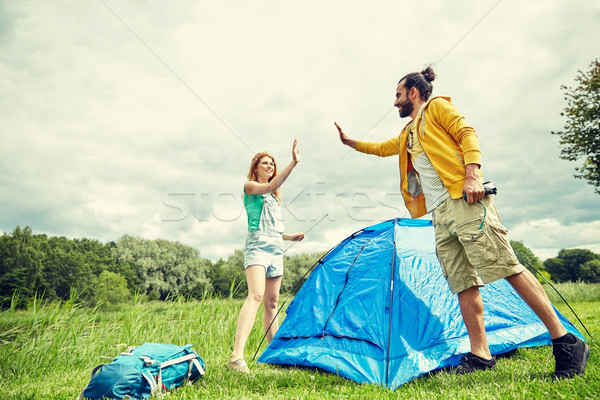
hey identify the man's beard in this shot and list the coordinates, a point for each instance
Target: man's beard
(406, 108)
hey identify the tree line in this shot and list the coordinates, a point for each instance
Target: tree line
(58, 268)
(570, 265)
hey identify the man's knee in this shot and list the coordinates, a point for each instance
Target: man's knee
(469, 292)
(522, 279)
(470, 300)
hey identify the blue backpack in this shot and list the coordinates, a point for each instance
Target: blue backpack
(143, 371)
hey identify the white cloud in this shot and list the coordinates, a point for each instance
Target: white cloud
(100, 128)
(548, 236)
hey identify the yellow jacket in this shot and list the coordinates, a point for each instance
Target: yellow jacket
(449, 142)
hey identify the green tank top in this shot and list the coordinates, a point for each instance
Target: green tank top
(264, 213)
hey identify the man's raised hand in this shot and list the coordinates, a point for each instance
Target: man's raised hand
(343, 138)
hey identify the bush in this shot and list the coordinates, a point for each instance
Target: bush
(111, 289)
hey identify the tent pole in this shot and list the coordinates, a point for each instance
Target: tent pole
(556, 290)
(387, 364)
(319, 261)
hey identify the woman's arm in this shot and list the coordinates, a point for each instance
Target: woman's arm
(294, 237)
(252, 187)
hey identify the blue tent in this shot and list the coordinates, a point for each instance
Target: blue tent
(377, 309)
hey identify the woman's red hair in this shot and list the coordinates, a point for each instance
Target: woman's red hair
(253, 176)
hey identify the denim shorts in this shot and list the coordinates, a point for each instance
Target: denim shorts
(264, 249)
(472, 244)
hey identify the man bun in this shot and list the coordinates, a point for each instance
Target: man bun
(428, 74)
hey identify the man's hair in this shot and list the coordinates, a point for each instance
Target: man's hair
(420, 80)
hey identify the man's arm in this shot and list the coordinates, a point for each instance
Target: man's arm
(455, 124)
(473, 187)
(381, 149)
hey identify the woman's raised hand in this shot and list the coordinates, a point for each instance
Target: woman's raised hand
(295, 152)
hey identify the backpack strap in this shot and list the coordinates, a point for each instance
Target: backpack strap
(191, 358)
(198, 367)
(148, 361)
(187, 357)
(153, 385)
(96, 369)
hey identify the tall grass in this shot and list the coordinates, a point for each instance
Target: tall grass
(31, 341)
(47, 352)
(51, 339)
(573, 292)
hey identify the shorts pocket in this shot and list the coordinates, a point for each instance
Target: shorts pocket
(437, 253)
(480, 247)
(505, 250)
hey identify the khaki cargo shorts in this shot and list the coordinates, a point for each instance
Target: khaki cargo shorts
(472, 253)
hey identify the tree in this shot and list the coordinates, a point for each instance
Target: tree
(581, 134)
(22, 264)
(161, 267)
(12, 271)
(228, 276)
(566, 267)
(53, 267)
(296, 266)
(72, 264)
(556, 267)
(590, 271)
(530, 260)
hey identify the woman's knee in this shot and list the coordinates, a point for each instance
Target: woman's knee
(270, 302)
(255, 296)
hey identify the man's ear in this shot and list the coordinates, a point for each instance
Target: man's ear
(413, 93)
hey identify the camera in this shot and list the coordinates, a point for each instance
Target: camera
(489, 187)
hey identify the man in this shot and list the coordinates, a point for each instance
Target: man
(440, 163)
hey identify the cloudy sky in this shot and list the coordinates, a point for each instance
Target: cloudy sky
(141, 117)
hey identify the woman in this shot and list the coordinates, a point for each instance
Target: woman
(263, 254)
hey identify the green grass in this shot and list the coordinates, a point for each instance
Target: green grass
(48, 351)
(573, 292)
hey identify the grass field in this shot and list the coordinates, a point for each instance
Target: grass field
(48, 351)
